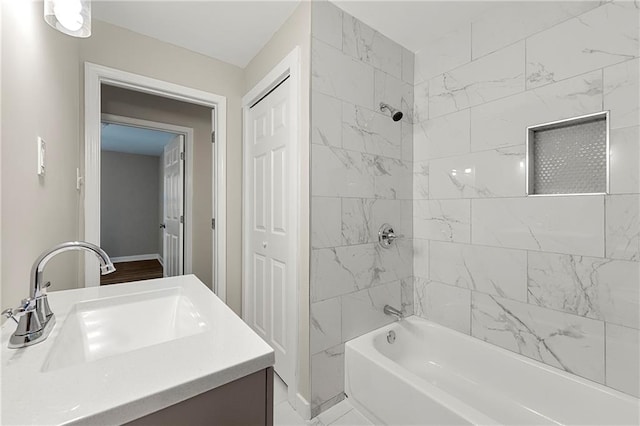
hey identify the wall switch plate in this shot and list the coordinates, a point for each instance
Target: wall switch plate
(41, 152)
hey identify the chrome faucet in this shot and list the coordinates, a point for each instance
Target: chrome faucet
(390, 310)
(34, 317)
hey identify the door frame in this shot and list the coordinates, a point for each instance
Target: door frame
(288, 67)
(96, 75)
(187, 132)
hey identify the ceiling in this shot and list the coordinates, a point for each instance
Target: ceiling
(133, 140)
(412, 23)
(232, 31)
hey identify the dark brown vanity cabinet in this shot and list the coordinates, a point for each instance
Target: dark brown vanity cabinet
(244, 402)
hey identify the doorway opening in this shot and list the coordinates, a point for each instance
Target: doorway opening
(143, 198)
(208, 254)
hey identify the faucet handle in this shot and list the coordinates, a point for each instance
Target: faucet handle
(9, 314)
(26, 305)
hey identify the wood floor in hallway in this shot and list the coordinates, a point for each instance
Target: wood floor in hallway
(133, 271)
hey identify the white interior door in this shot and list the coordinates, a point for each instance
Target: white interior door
(173, 241)
(269, 252)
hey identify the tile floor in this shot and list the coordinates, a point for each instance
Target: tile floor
(341, 414)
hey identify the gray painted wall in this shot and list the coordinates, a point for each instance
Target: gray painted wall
(129, 204)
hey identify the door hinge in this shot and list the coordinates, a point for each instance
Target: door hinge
(182, 156)
(213, 137)
(181, 219)
(213, 224)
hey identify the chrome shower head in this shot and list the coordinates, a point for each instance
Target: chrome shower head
(396, 114)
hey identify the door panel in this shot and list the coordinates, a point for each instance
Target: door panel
(278, 197)
(278, 296)
(268, 237)
(260, 192)
(173, 246)
(259, 272)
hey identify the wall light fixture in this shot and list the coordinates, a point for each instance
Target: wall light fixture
(72, 17)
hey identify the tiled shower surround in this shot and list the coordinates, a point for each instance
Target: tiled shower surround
(361, 177)
(555, 278)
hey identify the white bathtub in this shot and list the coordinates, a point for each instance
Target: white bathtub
(432, 375)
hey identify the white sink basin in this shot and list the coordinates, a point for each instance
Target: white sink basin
(111, 326)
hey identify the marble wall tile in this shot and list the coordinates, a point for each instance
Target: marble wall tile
(504, 25)
(362, 219)
(394, 263)
(391, 212)
(622, 93)
(407, 140)
(569, 342)
(497, 271)
(368, 131)
(408, 64)
(493, 173)
(395, 92)
(358, 226)
(624, 160)
(604, 36)
(575, 227)
(442, 220)
(503, 122)
(406, 218)
(421, 258)
(447, 305)
(342, 270)
(623, 353)
(339, 173)
(421, 180)
(406, 296)
(336, 74)
(362, 42)
(442, 136)
(326, 23)
(597, 288)
(362, 310)
(325, 325)
(491, 77)
(421, 102)
(326, 120)
(623, 227)
(327, 375)
(444, 54)
(326, 223)
(392, 178)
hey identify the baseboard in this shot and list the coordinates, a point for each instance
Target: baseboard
(303, 407)
(154, 256)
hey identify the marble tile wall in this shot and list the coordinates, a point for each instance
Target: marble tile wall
(556, 279)
(361, 177)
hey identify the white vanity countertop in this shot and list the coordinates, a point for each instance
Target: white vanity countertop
(119, 388)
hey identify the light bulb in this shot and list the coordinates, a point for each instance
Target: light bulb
(68, 14)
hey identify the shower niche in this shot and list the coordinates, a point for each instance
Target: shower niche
(569, 157)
